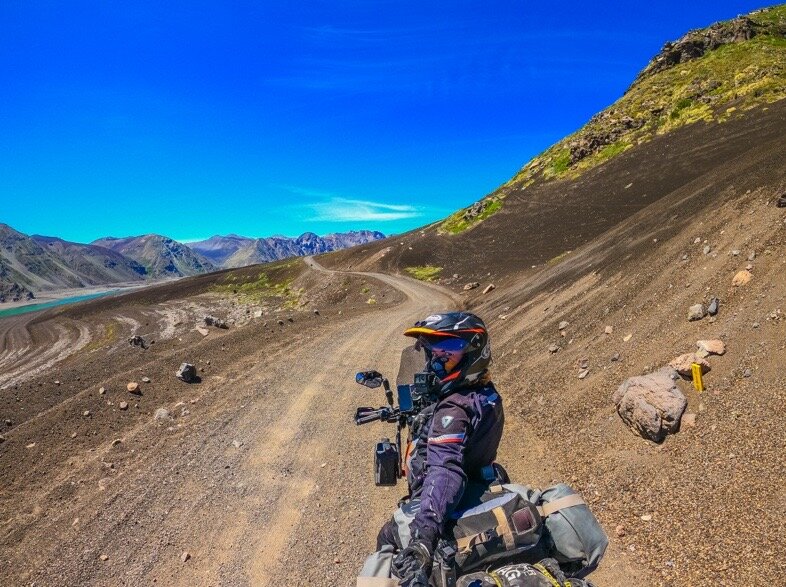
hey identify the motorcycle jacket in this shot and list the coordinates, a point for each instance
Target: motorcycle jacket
(452, 441)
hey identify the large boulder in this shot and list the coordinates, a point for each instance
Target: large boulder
(651, 405)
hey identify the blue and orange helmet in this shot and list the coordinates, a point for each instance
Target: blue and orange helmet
(457, 348)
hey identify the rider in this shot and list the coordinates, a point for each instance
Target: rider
(454, 440)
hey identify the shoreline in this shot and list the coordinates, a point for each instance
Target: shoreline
(61, 294)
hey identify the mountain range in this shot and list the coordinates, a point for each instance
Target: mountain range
(30, 264)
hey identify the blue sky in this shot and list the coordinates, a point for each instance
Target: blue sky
(197, 118)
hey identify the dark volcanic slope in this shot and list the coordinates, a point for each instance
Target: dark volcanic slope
(97, 265)
(539, 223)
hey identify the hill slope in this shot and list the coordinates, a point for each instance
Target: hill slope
(160, 255)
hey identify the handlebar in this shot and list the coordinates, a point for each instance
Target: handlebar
(368, 414)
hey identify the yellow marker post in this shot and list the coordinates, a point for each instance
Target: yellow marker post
(698, 383)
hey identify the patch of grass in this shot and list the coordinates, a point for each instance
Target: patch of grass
(742, 75)
(424, 272)
(260, 289)
(558, 258)
(460, 221)
(109, 336)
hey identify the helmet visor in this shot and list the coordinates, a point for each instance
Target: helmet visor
(447, 350)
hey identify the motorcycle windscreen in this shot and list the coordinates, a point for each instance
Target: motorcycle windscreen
(412, 361)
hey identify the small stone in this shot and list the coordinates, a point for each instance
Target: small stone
(563, 325)
(161, 414)
(749, 266)
(714, 306)
(695, 312)
(73, 435)
(489, 287)
(237, 443)
(697, 240)
(471, 285)
(336, 560)
(57, 382)
(316, 312)
(752, 256)
(685, 257)
(627, 337)
(609, 329)
(615, 357)
(688, 420)
(707, 249)
(711, 347)
(117, 441)
(31, 445)
(86, 413)
(747, 373)
(280, 322)
(646, 518)
(735, 253)
(101, 391)
(684, 364)
(553, 348)
(742, 278)
(145, 379)
(620, 531)
(756, 325)
(133, 387)
(186, 372)
(203, 331)
(104, 557)
(185, 556)
(123, 405)
(583, 373)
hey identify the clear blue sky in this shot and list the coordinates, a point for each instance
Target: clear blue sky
(197, 118)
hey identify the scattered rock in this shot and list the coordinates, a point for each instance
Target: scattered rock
(697, 240)
(217, 322)
(627, 337)
(104, 557)
(707, 249)
(563, 325)
(742, 278)
(752, 256)
(117, 441)
(57, 382)
(620, 531)
(714, 306)
(646, 518)
(489, 288)
(86, 413)
(316, 312)
(615, 357)
(145, 379)
(735, 253)
(257, 313)
(696, 312)
(747, 373)
(185, 557)
(186, 372)
(101, 391)
(137, 340)
(471, 285)
(688, 421)
(31, 445)
(553, 348)
(710, 347)
(123, 405)
(237, 443)
(162, 414)
(280, 322)
(202, 331)
(72, 435)
(684, 364)
(133, 387)
(651, 405)
(609, 329)
(583, 373)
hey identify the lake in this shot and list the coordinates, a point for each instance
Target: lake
(44, 305)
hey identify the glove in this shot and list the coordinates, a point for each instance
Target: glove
(412, 566)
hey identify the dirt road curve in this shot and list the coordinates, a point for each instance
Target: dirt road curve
(267, 481)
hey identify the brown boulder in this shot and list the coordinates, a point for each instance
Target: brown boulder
(133, 387)
(684, 364)
(651, 405)
(710, 347)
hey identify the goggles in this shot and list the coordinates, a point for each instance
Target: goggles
(446, 345)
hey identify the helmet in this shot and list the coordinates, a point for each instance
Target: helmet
(457, 348)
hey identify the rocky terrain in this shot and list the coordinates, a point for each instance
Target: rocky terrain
(160, 255)
(601, 290)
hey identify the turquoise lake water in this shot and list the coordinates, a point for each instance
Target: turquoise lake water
(52, 304)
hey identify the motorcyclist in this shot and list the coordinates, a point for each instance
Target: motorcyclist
(454, 440)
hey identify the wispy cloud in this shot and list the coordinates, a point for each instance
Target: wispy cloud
(349, 210)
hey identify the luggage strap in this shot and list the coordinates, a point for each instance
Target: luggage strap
(502, 529)
(560, 504)
(545, 572)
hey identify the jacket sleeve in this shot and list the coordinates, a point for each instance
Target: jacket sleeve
(445, 478)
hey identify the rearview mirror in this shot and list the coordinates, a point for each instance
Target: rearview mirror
(370, 379)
